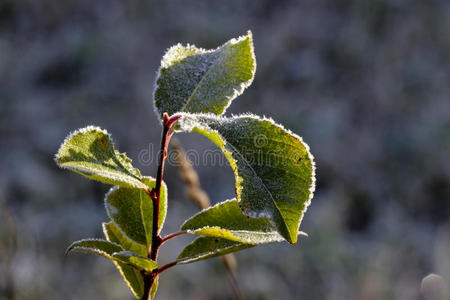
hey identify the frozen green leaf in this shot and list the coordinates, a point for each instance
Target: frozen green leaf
(132, 210)
(273, 168)
(90, 152)
(131, 276)
(226, 220)
(132, 259)
(113, 234)
(95, 246)
(207, 247)
(196, 80)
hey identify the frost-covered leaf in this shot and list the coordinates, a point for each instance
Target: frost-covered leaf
(196, 80)
(131, 276)
(95, 246)
(132, 210)
(113, 234)
(90, 152)
(132, 259)
(207, 247)
(273, 168)
(226, 220)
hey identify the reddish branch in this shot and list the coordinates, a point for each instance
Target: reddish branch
(165, 267)
(171, 236)
(155, 194)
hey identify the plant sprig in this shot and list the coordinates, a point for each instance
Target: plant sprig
(273, 168)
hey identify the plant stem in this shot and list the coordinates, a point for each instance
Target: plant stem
(171, 236)
(165, 267)
(154, 194)
(148, 282)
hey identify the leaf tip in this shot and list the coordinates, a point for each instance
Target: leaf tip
(73, 134)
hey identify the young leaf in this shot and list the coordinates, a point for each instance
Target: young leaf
(89, 151)
(131, 276)
(226, 220)
(113, 234)
(207, 247)
(132, 210)
(132, 259)
(196, 80)
(273, 168)
(95, 246)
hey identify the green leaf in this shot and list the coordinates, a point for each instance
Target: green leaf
(95, 246)
(273, 168)
(89, 151)
(131, 276)
(196, 80)
(207, 247)
(132, 259)
(132, 210)
(226, 220)
(154, 288)
(113, 234)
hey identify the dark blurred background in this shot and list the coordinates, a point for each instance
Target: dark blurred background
(366, 83)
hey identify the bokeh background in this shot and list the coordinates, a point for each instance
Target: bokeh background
(366, 83)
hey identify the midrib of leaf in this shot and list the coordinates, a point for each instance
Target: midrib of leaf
(200, 82)
(237, 234)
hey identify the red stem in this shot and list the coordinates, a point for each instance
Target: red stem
(148, 282)
(165, 267)
(171, 236)
(154, 194)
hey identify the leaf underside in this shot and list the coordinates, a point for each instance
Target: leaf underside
(226, 220)
(90, 152)
(273, 168)
(95, 246)
(131, 276)
(113, 234)
(196, 80)
(132, 210)
(207, 247)
(132, 259)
